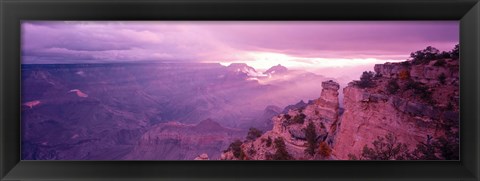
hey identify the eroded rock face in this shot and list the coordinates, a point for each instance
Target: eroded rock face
(427, 74)
(291, 126)
(327, 104)
(391, 70)
(372, 112)
(363, 122)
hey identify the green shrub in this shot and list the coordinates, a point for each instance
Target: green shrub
(384, 148)
(387, 148)
(420, 90)
(424, 56)
(311, 136)
(455, 52)
(406, 63)
(299, 118)
(392, 86)
(442, 78)
(268, 142)
(425, 151)
(444, 54)
(440, 63)
(281, 153)
(366, 80)
(253, 133)
(352, 157)
(236, 149)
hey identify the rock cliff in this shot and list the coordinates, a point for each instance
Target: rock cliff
(413, 102)
(291, 128)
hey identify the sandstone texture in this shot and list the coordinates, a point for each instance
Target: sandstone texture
(291, 126)
(373, 112)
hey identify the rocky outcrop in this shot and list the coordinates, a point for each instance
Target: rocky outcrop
(427, 74)
(327, 104)
(373, 112)
(291, 127)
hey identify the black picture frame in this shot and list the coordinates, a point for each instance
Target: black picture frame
(12, 12)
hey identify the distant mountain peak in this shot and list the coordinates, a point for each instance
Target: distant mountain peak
(243, 68)
(240, 66)
(277, 69)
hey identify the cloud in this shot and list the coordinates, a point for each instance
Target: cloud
(113, 41)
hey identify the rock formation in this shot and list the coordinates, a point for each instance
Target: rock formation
(291, 127)
(427, 74)
(413, 102)
(420, 108)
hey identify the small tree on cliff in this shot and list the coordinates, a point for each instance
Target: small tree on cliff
(443, 148)
(448, 147)
(425, 150)
(311, 137)
(442, 78)
(324, 150)
(424, 56)
(392, 86)
(281, 153)
(366, 80)
(440, 63)
(253, 133)
(268, 142)
(420, 90)
(299, 118)
(236, 149)
(384, 148)
(455, 53)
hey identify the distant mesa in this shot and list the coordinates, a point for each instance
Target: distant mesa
(208, 124)
(79, 93)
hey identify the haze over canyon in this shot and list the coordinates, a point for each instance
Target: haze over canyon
(206, 90)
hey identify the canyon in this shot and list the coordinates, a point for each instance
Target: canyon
(415, 103)
(207, 111)
(105, 111)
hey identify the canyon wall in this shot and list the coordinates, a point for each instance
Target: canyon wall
(409, 114)
(413, 102)
(291, 126)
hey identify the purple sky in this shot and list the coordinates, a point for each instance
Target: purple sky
(253, 42)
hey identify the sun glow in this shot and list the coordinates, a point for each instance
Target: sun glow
(265, 60)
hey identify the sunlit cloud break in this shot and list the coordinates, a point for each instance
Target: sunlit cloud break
(260, 44)
(265, 60)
